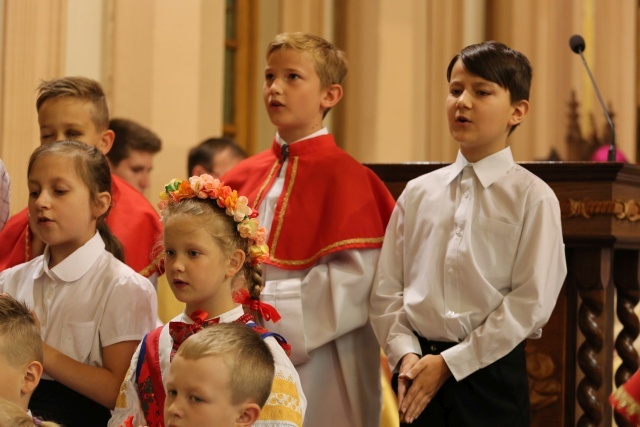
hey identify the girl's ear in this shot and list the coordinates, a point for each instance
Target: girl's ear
(236, 261)
(103, 200)
(249, 415)
(520, 110)
(331, 96)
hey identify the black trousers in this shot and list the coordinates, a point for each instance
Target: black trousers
(497, 395)
(52, 401)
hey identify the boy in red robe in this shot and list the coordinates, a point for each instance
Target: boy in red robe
(76, 108)
(327, 215)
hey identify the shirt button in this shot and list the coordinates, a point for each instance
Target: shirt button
(432, 348)
(466, 195)
(459, 232)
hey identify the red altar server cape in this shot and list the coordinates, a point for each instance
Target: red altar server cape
(329, 203)
(132, 220)
(626, 399)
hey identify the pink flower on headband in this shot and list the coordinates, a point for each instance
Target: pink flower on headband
(207, 187)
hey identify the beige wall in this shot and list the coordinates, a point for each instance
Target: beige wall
(161, 63)
(165, 71)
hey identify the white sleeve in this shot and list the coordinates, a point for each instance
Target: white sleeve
(128, 401)
(287, 403)
(388, 316)
(130, 312)
(324, 302)
(538, 274)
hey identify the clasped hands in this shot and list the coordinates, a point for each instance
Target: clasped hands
(418, 382)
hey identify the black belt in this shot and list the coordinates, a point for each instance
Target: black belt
(433, 347)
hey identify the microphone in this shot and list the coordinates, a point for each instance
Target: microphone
(576, 42)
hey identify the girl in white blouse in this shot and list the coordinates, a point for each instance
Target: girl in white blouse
(92, 309)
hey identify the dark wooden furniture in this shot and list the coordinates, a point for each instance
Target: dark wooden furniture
(571, 367)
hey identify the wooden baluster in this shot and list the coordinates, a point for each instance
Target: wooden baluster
(625, 274)
(592, 268)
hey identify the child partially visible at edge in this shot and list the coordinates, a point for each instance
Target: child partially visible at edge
(473, 259)
(92, 308)
(20, 352)
(12, 415)
(213, 247)
(75, 108)
(229, 369)
(326, 213)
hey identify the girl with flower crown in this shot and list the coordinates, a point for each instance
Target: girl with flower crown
(213, 247)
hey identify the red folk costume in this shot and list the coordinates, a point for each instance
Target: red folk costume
(132, 220)
(318, 212)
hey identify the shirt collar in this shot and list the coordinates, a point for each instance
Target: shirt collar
(226, 317)
(488, 170)
(74, 266)
(322, 131)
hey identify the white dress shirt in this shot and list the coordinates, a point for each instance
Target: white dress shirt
(88, 301)
(5, 195)
(473, 254)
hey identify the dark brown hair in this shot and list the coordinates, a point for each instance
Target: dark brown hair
(131, 136)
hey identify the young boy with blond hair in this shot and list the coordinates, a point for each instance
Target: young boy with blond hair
(75, 108)
(472, 261)
(228, 369)
(21, 352)
(326, 214)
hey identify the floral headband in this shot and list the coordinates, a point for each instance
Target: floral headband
(207, 187)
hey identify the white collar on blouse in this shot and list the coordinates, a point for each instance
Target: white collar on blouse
(227, 317)
(75, 265)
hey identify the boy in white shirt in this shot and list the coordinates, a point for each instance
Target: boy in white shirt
(472, 261)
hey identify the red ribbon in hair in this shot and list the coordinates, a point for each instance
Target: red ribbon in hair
(267, 311)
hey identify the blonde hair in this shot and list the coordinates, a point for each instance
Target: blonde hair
(223, 229)
(21, 342)
(330, 62)
(244, 353)
(93, 169)
(11, 415)
(81, 88)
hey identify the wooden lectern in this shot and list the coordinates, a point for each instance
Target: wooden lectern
(571, 367)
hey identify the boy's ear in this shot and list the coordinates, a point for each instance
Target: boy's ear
(236, 261)
(331, 96)
(199, 170)
(103, 202)
(520, 110)
(249, 415)
(31, 377)
(106, 141)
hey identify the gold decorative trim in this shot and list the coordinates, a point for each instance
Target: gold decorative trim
(294, 170)
(622, 209)
(264, 184)
(151, 268)
(27, 244)
(368, 240)
(625, 404)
